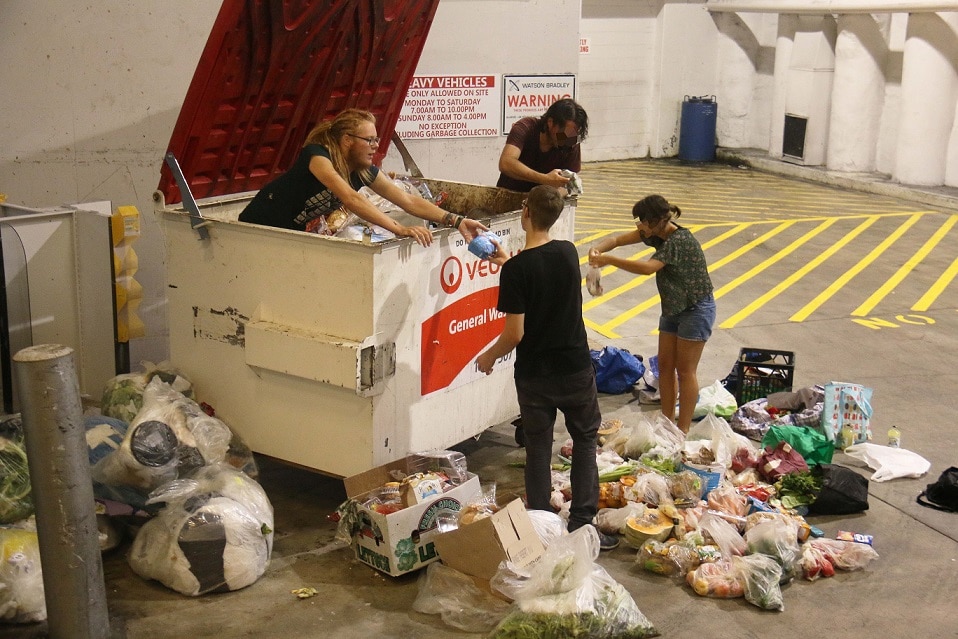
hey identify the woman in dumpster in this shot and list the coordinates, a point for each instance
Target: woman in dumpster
(337, 161)
(688, 306)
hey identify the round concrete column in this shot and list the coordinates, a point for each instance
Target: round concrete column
(858, 94)
(62, 492)
(784, 43)
(929, 90)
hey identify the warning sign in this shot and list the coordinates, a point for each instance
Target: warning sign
(532, 95)
(450, 106)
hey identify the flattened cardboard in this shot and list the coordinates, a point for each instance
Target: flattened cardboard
(478, 548)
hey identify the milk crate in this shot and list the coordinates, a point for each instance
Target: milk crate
(761, 372)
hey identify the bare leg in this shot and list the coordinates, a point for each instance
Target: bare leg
(688, 354)
(668, 352)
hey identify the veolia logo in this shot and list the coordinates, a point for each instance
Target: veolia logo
(450, 275)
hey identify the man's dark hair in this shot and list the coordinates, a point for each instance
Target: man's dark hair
(566, 110)
(545, 204)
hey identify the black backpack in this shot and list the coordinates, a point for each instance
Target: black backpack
(943, 494)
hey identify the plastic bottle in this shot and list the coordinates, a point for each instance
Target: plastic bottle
(847, 437)
(894, 437)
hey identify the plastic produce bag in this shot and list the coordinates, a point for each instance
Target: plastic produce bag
(123, 395)
(15, 499)
(566, 594)
(715, 400)
(889, 463)
(616, 370)
(21, 577)
(714, 429)
(214, 535)
(718, 579)
(170, 436)
(760, 576)
(777, 538)
(593, 281)
(455, 597)
(724, 534)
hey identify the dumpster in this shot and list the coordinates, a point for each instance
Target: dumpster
(697, 129)
(334, 354)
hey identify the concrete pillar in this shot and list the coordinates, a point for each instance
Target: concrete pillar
(737, 49)
(62, 492)
(785, 42)
(929, 92)
(858, 94)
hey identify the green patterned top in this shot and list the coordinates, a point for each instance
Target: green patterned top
(684, 280)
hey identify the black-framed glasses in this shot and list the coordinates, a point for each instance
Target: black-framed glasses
(371, 141)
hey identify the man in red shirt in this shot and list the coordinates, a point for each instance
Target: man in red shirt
(537, 150)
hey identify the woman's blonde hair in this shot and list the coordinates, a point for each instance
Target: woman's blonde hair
(330, 133)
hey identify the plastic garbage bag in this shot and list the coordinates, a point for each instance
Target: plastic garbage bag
(566, 594)
(123, 395)
(16, 502)
(889, 463)
(21, 577)
(715, 400)
(593, 281)
(214, 535)
(169, 437)
(455, 597)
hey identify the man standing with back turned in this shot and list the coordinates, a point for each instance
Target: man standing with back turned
(540, 291)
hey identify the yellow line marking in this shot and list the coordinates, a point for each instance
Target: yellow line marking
(779, 288)
(936, 289)
(846, 277)
(905, 269)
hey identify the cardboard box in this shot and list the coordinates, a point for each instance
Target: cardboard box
(477, 549)
(402, 541)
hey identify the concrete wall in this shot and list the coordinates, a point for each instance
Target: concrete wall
(91, 90)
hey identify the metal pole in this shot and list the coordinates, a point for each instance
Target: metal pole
(52, 416)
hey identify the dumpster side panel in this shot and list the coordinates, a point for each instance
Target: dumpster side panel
(337, 355)
(310, 285)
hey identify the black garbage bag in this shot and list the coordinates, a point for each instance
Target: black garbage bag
(843, 491)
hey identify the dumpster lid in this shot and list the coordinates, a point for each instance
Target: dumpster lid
(273, 69)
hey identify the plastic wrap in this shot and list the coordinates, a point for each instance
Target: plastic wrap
(21, 577)
(214, 535)
(760, 576)
(777, 538)
(123, 395)
(169, 437)
(15, 500)
(455, 597)
(566, 594)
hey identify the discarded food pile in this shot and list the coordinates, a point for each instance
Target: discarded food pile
(164, 469)
(714, 511)
(514, 572)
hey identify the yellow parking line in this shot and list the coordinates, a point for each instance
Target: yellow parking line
(761, 301)
(652, 301)
(940, 285)
(905, 269)
(846, 277)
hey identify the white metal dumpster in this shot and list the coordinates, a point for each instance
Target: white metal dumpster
(340, 355)
(337, 355)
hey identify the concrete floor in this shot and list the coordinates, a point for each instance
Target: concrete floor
(906, 358)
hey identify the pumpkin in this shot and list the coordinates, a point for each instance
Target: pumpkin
(651, 525)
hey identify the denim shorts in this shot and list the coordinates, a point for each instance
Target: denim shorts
(694, 323)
